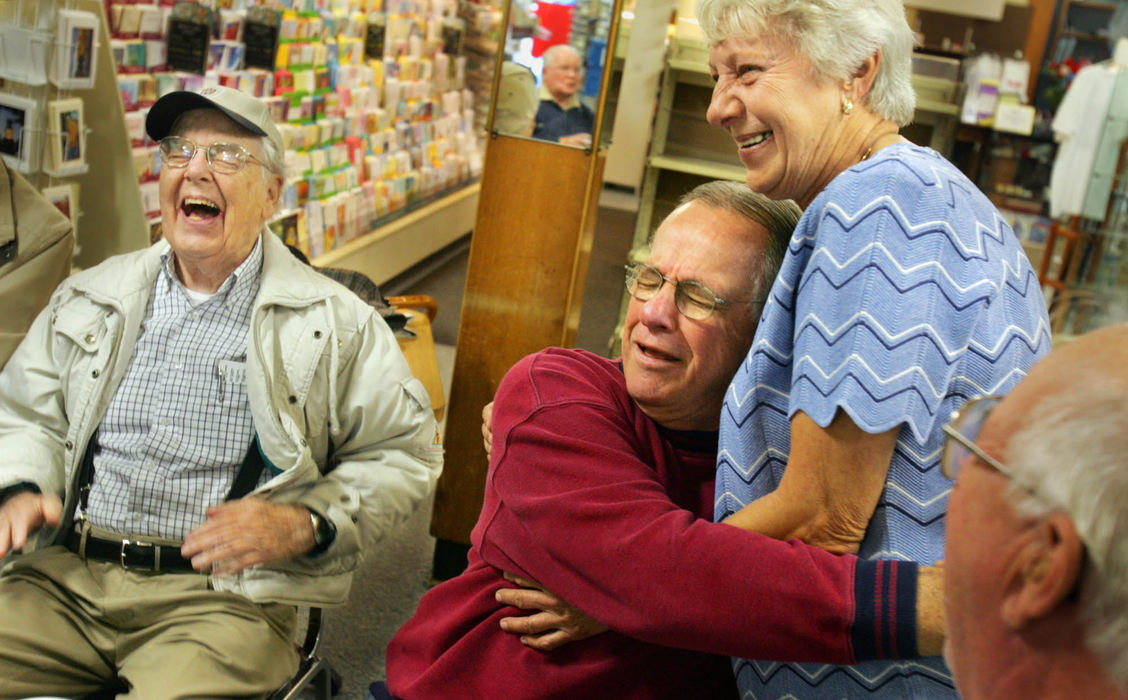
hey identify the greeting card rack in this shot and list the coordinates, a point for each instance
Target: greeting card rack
(370, 98)
(60, 112)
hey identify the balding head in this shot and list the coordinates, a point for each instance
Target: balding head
(562, 72)
(560, 52)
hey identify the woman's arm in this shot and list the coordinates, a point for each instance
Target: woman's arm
(830, 488)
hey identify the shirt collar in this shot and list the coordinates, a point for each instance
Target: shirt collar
(570, 103)
(242, 281)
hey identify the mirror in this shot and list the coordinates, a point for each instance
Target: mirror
(552, 71)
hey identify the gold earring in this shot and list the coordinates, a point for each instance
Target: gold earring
(847, 104)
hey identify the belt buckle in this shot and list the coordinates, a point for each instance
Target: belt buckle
(127, 542)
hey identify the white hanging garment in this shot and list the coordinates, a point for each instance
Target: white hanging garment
(1078, 125)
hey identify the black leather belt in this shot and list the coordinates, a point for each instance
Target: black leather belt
(129, 553)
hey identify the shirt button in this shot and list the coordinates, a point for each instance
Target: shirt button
(70, 445)
(89, 338)
(95, 374)
(316, 334)
(292, 399)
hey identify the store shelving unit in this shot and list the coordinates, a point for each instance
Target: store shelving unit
(1078, 29)
(684, 147)
(393, 243)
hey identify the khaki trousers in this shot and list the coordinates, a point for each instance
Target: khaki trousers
(67, 626)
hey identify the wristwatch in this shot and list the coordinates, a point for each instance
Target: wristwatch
(324, 532)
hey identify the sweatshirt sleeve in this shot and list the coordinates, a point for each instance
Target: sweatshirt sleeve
(574, 502)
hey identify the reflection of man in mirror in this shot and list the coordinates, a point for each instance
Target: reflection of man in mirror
(561, 116)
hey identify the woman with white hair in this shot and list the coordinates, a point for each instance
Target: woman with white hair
(902, 293)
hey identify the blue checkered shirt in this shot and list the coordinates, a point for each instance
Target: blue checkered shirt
(179, 425)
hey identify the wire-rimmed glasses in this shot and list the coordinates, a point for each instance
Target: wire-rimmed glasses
(693, 299)
(225, 158)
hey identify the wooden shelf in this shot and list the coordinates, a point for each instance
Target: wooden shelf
(936, 107)
(692, 72)
(1084, 36)
(699, 166)
(1109, 6)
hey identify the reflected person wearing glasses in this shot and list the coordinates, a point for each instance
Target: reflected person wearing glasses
(1036, 591)
(561, 116)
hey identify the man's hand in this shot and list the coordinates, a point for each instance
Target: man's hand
(583, 140)
(23, 514)
(487, 428)
(248, 532)
(555, 625)
(931, 628)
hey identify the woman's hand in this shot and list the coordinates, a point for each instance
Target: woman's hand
(487, 428)
(557, 623)
(830, 488)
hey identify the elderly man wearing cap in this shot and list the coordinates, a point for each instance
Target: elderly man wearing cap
(201, 435)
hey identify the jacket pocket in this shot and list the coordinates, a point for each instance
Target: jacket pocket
(80, 345)
(82, 323)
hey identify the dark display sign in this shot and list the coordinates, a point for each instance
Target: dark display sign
(374, 36)
(189, 30)
(260, 34)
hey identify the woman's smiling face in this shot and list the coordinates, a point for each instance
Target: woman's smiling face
(786, 122)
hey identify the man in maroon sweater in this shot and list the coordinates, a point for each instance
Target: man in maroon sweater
(601, 488)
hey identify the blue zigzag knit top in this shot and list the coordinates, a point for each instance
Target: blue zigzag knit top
(903, 293)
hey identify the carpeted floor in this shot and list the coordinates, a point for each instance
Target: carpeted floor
(394, 577)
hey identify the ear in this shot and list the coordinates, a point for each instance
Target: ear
(1045, 571)
(273, 193)
(860, 84)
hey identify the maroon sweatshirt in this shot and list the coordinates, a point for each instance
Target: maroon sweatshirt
(611, 511)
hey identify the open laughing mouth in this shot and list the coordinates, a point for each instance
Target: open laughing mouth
(199, 209)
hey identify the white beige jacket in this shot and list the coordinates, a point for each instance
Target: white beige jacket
(335, 407)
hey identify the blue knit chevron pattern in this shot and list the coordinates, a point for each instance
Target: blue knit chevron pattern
(903, 294)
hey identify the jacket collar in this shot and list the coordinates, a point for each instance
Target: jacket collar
(286, 280)
(122, 275)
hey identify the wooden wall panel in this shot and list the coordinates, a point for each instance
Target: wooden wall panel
(524, 288)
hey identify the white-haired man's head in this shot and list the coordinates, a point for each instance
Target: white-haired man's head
(563, 72)
(1037, 555)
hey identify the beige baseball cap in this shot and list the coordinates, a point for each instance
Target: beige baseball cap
(245, 110)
